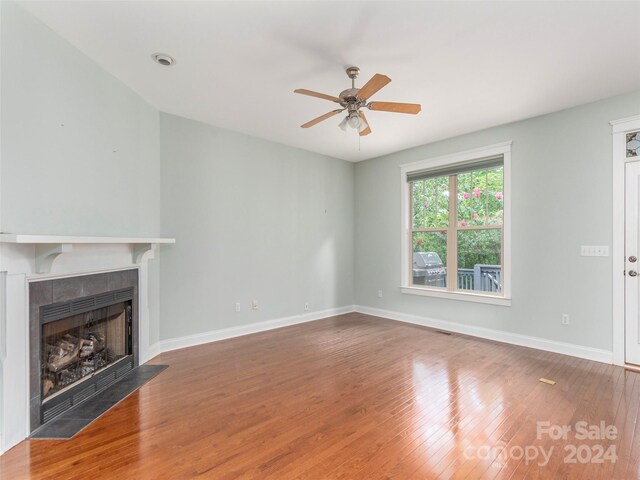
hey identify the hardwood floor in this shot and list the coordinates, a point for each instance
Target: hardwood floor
(352, 397)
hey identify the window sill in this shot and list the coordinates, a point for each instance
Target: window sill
(466, 297)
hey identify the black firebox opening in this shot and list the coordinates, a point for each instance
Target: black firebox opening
(78, 346)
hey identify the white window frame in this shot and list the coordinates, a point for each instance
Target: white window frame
(460, 158)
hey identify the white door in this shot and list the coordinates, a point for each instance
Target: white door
(632, 266)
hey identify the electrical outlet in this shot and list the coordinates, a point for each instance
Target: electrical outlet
(594, 251)
(565, 319)
(306, 307)
(379, 293)
(254, 304)
(238, 307)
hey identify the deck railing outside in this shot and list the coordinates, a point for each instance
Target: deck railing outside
(483, 278)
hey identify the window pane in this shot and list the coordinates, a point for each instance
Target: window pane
(430, 200)
(480, 197)
(430, 259)
(480, 260)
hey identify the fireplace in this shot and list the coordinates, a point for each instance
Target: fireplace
(76, 348)
(83, 339)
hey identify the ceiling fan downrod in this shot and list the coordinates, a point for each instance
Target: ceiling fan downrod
(352, 73)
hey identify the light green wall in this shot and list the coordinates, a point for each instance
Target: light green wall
(561, 182)
(253, 220)
(80, 151)
(80, 155)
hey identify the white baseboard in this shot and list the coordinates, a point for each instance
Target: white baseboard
(153, 351)
(571, 349)
(215, 335)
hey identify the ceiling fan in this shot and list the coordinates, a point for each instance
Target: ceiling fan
(353, 99)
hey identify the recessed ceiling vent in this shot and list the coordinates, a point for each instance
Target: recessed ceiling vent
(163, 59)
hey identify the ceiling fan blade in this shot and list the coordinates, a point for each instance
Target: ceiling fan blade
(367, 130)
(372, 86)
(321, 118)
(316, 94)
(412, 108)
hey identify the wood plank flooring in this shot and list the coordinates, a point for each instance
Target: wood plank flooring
(353, 397)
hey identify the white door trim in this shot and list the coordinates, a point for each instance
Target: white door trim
(619, 128)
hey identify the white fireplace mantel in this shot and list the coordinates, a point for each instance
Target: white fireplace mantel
(48, 247)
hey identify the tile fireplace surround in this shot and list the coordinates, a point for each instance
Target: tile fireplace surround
(25, 259)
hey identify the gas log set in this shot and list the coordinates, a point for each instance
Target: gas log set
(70, 358)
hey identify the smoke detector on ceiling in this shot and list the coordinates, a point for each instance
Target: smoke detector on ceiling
(163, 59)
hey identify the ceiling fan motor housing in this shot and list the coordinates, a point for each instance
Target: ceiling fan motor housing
(349, 98)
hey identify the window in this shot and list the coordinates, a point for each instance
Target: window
(456, 221)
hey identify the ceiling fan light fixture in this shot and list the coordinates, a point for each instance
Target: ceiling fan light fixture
(354, 120)
(343, 124)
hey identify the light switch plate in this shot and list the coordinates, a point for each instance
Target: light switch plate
(594, 250)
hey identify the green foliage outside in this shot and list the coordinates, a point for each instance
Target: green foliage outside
(480, 203)
(479, 247)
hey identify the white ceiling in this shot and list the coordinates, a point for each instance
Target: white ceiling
(471, 65)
